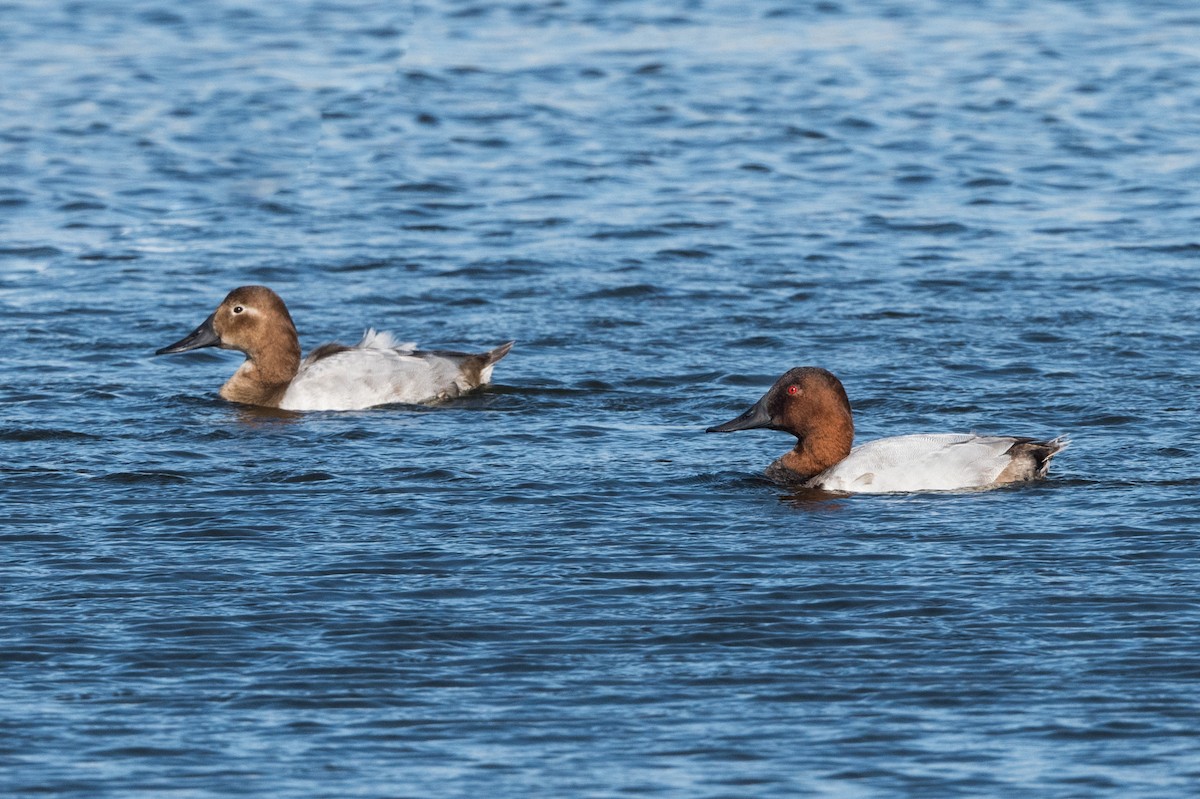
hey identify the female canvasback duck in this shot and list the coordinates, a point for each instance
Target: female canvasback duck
(811, 404)
(334, 377)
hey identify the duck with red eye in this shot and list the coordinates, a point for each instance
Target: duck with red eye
(811, 404)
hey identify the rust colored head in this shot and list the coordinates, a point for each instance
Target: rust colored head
(804, 400)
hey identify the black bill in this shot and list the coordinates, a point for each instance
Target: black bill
(203, 336)
(757, 416)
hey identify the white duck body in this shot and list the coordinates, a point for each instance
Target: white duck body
(378, 371)
(933, 462)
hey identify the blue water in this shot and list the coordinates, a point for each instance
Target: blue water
(981, 216)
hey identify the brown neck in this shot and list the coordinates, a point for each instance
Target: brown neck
(818, 450)
(264, 377)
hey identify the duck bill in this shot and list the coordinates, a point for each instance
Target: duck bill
(756, 417)
(203, 336)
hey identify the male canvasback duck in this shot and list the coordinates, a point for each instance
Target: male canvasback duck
(811, 404)
(334, 377)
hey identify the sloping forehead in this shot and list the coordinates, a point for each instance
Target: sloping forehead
(810, 375)
(257, 296)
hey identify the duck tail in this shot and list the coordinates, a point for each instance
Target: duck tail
(1035, 455)
(477, 368)
(492, 356)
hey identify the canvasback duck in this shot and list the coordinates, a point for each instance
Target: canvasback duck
(811, 404)
(334, 377)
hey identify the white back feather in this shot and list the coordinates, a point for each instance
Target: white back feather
(382, 340)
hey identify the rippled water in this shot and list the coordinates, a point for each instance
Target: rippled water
(982, 218)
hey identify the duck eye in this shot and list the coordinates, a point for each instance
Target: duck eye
(238, 309)
(793, 390)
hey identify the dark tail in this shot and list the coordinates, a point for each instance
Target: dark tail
(477, 368)
(492, 356)
(1034, 456)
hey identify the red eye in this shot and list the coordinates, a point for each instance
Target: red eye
(793, 390)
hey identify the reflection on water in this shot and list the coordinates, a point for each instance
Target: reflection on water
(253, 416)
(811, 499)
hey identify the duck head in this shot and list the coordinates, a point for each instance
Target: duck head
(802, 400)
(811, 404)
(251, 319)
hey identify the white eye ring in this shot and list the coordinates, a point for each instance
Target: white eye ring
(238, 309)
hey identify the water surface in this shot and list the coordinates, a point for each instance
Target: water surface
(980, 218)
